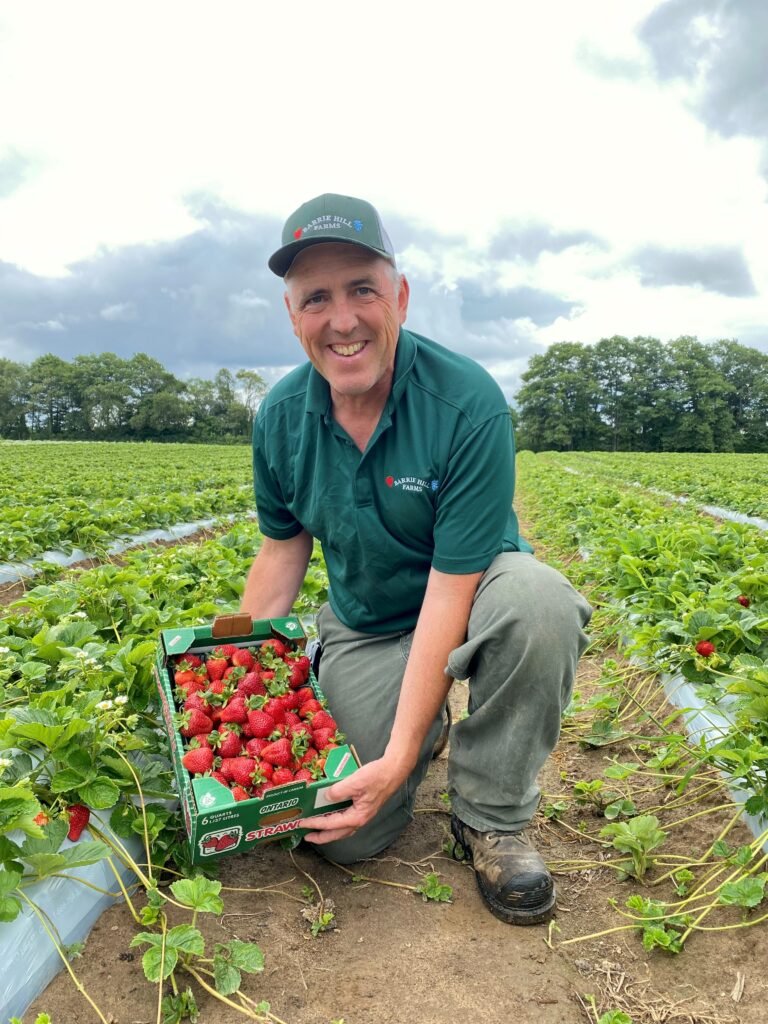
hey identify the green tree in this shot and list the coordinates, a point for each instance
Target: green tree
(14, 399)
(559, 401)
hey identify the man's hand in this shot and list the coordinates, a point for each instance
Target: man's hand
(368, 788)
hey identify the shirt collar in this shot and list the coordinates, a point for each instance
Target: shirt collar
(319, 393)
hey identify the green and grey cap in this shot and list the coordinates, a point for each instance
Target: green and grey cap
(331, 218)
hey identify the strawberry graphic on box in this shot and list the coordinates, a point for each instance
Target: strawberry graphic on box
(220, 842)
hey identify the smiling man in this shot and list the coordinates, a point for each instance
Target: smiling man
(397, 454)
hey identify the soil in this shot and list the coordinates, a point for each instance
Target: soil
(393, 958)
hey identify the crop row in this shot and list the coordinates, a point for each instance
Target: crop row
(688, 595)
(735, 482)
(58, 495)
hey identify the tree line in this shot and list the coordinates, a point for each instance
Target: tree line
(103, 397)
(638, 394)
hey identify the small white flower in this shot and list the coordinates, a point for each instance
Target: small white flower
(5, 650)
(122, 699)
(104, 705)
(91, 661)
(78, 615)
(5, 762)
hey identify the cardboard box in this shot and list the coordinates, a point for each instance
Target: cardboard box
(216, 823)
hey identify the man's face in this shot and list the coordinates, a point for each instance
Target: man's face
(346, 311)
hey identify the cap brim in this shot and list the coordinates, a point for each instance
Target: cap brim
(280, 262)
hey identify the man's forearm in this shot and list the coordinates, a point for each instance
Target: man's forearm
(442, 627)
(276, 576)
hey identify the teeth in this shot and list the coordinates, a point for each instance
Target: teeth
(347, 350)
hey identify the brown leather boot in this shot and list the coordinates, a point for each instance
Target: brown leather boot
(510, 873)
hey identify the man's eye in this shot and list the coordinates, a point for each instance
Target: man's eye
(314, 300)
(363, 289)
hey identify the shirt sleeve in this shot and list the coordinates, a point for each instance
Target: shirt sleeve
(475, 499)
(275, 518)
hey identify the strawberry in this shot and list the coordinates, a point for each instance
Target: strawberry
(239, 769)
(260, 724)
(196, 701)
(267, 770)
(309, 755)
(323, 737)
(251, 684)
(234, 711)
(290, 701)
(304, 774)
(230, 744)
(227, 842)
(239, 794)
(187, 661)
(309, 707)
(41, 818)
(705, 648)
(322, 720)
(743, 600)
(243, 659)
(255, 746)
(216, 667)
(220, 778)
(198, 760)
(278, 753)
(225, 651)
(281, 776)
(79, 816)
(304, 694)
(194, 722)
(273, 646)
(292, 720)
(274, 707)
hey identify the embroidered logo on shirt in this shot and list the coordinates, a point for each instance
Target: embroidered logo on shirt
(412, 483)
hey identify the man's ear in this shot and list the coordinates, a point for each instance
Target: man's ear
(291, 314)
(402, 298)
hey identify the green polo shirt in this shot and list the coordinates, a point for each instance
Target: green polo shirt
(433, 488)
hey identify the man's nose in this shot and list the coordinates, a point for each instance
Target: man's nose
(343, 316)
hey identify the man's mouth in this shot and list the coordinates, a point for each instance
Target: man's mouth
(348, 350)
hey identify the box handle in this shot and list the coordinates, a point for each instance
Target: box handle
(231, 625)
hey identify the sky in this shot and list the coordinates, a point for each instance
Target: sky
(547, 172)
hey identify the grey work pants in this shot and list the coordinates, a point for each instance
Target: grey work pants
(524, 638)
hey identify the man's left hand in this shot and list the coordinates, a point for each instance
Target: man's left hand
(368, 788)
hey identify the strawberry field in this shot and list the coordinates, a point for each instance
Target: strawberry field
(648, 848)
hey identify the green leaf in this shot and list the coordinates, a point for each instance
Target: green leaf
(67, 780)
(747, 892)
(226, 976)
(247, 956)
(187, 939)
(199, 893)
(152, 961)
(100, 794)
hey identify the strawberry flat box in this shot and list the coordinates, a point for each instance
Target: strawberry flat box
(215, 823)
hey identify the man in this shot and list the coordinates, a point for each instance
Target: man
(397, 454)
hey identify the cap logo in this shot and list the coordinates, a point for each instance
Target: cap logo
(298, 232)
(357, 225)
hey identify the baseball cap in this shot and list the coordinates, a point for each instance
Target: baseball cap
(331, 218)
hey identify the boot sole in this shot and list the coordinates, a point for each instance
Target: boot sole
(537, 915)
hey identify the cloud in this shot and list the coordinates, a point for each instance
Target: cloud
(15, 168)
(718, 48)
(528, 242)
(717, 269)
(513, 304)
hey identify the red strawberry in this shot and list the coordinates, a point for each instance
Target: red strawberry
(260, 724)
(255, 746)
(196, 701)
(298, 672)
(196, 683)
(227, 842)
(322, 737)
(194, 722)
(278, 753)
(322, 720)
(705, 648)
(220, 778)
(267, 770)
(239, 769)
(185, 661)
(276, 647)
(290, 700)
(309, 755)
(743, 600)
(234, 711)
(304, 694)
(304, 774)
(292, 719)
(239, 794)
(281, 776)
(251, 684)
(198, 760)
(41, 818)
(275, 708)
(230, 744)
(216, 667)
(309, 707)
(243, 659)
(225, 651)
(79, 816)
